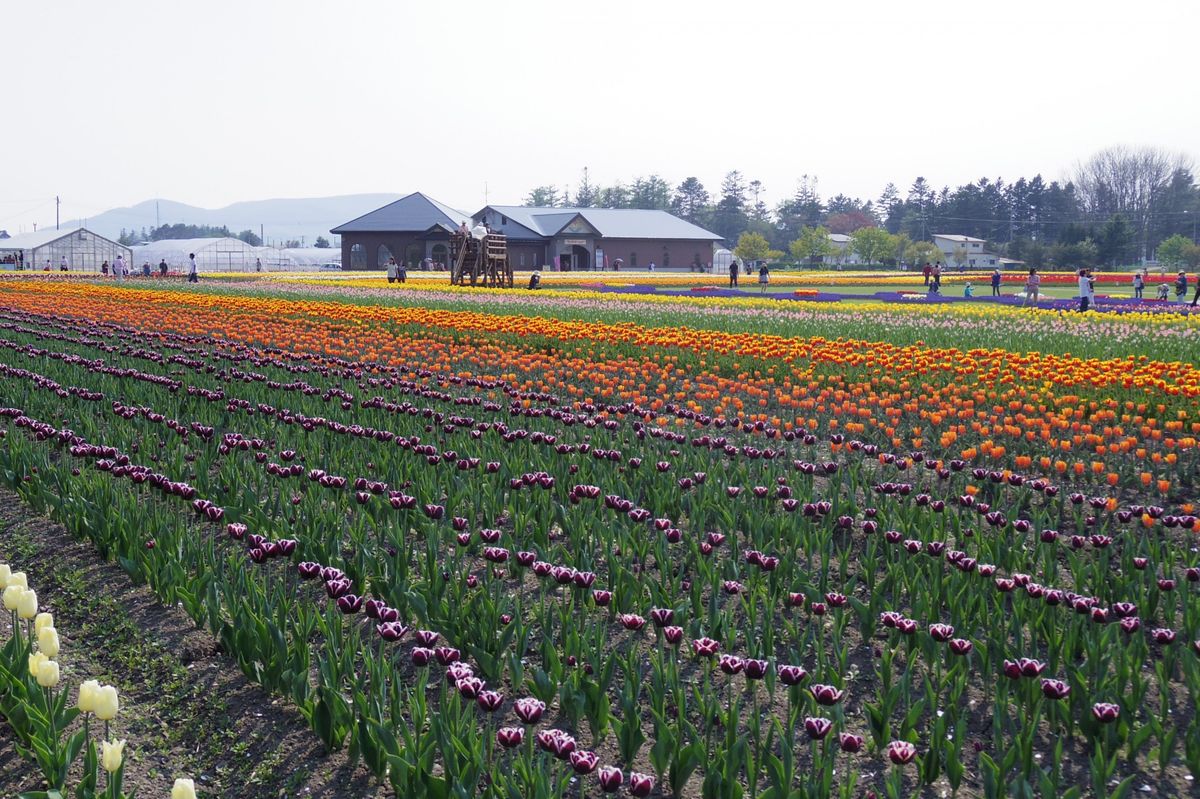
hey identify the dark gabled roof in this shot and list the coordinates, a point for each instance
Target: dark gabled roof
(415, 213)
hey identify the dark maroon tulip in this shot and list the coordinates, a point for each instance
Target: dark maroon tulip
(1105, 712)
(447, 655)
(1124, 609)
(529, 710)
(817, 608)
(850, 743)
(705, 647)
(906, 626)
(583, 579)
(543, 569)
(835, 599)
(1030, 667)
(941, 632)
(510, 737)
(469, 687)
(458, 523)
(258, 555)
(1055, 689)
(611, 779)
(583, 761)
(287, 546)
(673, 635)
(426, 637)
(1162, 635)
(371, 608)
(640, 785)
(463, 539)
(435, 512)
(1166, 584)
(601, 598)
(791, 675)
(506, 619)
(1012, 670)
(632, 621)
(495, 554)
(901, 752)
(817, 728)
(1192, 574)
(960, 646)
(337, 588)
(526, 558)
(1131, 624)
(716, 539)
(826, 694)
(732, 587)
(755, 669)
(349, 603)
(795, 600)
(662, 616)
(235, 530)
(391, 630)
(731, 664)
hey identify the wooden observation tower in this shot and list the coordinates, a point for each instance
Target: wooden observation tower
(480, 262)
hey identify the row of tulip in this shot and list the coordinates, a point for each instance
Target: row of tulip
(532, 519)
(36, 705)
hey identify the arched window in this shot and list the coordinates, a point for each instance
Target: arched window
(384, 255)
(358, 257)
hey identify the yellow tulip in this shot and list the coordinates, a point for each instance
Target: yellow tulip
(5, 573)
(47, 675)
(87, 696)
(112, 753)
(106, 703)
(47, 638)
(35, 663)
(12, 596)
(183, 789)
(27, 605)
(18, 578)
(43, 620)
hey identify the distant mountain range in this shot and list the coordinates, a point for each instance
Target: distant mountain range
(279, 220)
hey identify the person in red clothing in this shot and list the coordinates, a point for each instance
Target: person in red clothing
(927, 271)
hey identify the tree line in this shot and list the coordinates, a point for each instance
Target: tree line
(1115, 208)
(182, 231)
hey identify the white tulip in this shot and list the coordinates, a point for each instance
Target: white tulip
(48, 642)
(27, 606)
(87, 696)
(47, 675)
(107, 704)
(183, 789)
(112, 753)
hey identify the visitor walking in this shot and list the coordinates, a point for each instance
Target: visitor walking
(119, 268)
(1032, 283)
(996, 283)
(258, 264)
(162, 267)
(1181, 286)
(764, 277)
(391, 270)
(927, 271)
(1197, 297)
(1139, 284)
(733, 274)
(193, 270)
(62, 266)
(146, 269)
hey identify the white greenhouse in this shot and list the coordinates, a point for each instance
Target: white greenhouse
(212, 255)
(82, 250)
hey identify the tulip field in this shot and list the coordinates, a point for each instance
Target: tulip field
(572, 546)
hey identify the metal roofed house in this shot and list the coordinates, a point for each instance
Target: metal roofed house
(83, 249)
(964, 251)
(418, 227)
(587, 238)
(410, 229)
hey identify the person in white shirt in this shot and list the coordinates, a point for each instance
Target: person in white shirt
(1085, 290)
(119, 268)
(391, 270)
(193, 270)
(62, 267)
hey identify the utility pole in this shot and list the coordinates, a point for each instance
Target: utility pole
(57, 205)
(157, 224)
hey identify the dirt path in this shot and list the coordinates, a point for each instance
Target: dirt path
(186, 709)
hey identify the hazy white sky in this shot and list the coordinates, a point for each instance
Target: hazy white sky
(208, 103)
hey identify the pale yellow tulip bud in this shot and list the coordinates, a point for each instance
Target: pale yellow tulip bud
(183, 789)
(12, 596)
(42, 620)
(27, 606)
(48, 642)
(47, 675)
(18, 578)
(5, 573)
(87, 696)
(106, 703)
(112, 753)
(35, 663)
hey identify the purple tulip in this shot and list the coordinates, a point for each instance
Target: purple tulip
(1055, 689)
(469, 687)
(817, 728)
(850, 743)
(529, 710)
(705, 647)
(731, 664)
(349, 603)
(309, 570)
(640, 785)
(673, 635)
(601, 598)
(755, 669)
(583, 761)
(1162, 635)
(901, 752)
(662, 616)
(447, 655)
(1105, 712)
(611, 779)
(826, 694)
(421, 656)
(426, 637)
(960, 646)
(632, 621)
(391, 631)
(791, 675)
(941, 632)
(510, 737)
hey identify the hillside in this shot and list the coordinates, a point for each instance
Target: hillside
(280, 219)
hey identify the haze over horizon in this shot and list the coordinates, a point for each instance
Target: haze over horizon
(224, 102)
